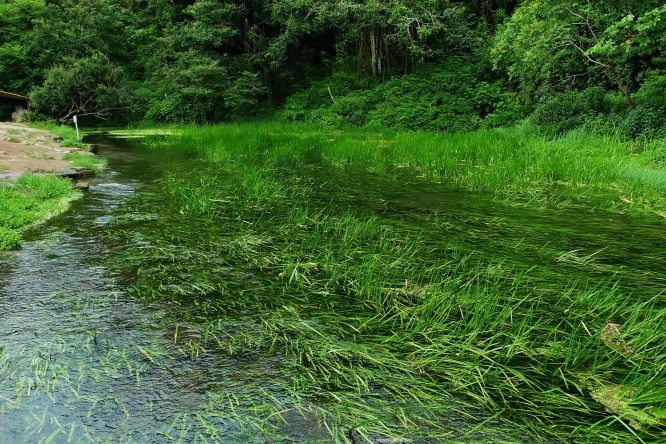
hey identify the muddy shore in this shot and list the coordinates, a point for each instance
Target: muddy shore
(24, 149)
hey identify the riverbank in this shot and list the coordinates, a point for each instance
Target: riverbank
(29, 193)
(24, 149)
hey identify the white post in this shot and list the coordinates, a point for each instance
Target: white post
(77, 129)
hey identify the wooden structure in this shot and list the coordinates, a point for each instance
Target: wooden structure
(13, 103)
(10, 96)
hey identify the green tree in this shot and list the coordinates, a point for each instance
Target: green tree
(16, 66)
(379, 34)
(548, 44)
(89, 86)
(209, 64)
(631, 35)
(71, 29)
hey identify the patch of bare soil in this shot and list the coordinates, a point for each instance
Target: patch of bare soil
(24, 149)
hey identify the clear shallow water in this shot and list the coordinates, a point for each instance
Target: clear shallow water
(85, 360)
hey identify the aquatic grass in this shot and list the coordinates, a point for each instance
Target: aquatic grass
(511, 341)
(505, 161)
(394, 324)
(273, 336)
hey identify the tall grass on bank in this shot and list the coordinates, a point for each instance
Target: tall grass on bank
(68, 134)
(510, 162)
(28, 201)
(388, 331)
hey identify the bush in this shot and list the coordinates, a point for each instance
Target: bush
(507, 111)
(449, 97)
(645, 122)
(418, 102)
(648, 119)
(313, 104)
(569, 111)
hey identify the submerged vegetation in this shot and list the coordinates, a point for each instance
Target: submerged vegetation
(390, 320)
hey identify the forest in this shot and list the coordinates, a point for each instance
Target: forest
(418, 65)
(333, 221)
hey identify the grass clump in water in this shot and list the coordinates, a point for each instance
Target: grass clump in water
(97, 164)
(30, 200)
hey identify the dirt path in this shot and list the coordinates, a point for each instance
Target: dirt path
(24, 149)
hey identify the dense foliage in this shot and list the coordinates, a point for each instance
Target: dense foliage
(428, 64)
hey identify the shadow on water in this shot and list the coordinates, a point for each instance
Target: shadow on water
(87, 358)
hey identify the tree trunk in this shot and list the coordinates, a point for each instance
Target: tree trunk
(373, 52)
(620, 84)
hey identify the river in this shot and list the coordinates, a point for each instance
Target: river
(89, 356)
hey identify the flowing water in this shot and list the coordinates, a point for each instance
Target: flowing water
(87, 355)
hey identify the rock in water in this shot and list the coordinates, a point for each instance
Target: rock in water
(83, 186)
(75, 173)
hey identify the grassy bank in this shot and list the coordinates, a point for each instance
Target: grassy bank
(66, 133)
(28, 201)
(509, 162)
(392, 324)
(35, 198)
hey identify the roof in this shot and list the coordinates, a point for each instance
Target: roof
(6, 95)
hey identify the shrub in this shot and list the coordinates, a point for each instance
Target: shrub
(507, 111)
(569, 111)
(448, 97)
(453, 96)
(648, 119)
(311, 105)
(645, 122)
